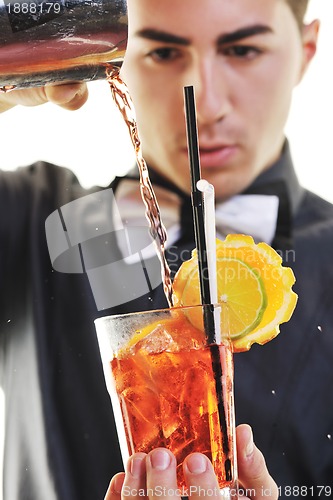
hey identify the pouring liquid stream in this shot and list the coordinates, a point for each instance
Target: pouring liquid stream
(157, 230)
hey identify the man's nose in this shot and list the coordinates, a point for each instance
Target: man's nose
(212, 92)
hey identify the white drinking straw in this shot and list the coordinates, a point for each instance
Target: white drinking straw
(210, 235)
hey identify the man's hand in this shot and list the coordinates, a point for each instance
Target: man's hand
(157, 472)
(69, 96)
(254, 478)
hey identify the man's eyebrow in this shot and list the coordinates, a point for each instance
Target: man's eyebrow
(246, 32)
(234, 36)
(162, 36)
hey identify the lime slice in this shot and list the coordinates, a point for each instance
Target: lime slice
(240, 288)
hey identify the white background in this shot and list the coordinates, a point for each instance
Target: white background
(93, 141)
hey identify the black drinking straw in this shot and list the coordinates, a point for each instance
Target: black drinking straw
(200, 242)
(198, 213)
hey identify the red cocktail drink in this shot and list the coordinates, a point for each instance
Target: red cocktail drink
(169, 388)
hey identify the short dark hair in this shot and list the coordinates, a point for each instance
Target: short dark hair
(298, 8)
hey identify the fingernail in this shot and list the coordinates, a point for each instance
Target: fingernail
(197, 464)
(136, 466)
(250, 445)
(160, 459)
(68, 94)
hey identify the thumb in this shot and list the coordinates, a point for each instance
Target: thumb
(70, 96)
(252, 471)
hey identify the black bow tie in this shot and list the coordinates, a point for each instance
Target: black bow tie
(253, 214)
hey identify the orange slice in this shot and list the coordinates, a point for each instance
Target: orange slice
(254, 287)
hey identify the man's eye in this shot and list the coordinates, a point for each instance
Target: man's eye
(163, 54)
(242, 51)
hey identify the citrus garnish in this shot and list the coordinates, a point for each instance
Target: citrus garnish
(245, 297)
(252, 284)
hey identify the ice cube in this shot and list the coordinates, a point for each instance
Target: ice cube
(170, 419)
(158, 340)
(141, 414)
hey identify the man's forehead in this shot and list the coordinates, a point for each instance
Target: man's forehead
(183, 18)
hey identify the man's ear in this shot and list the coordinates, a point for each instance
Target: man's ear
(309, 44)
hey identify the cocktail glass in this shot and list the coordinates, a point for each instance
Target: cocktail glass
(170, 388)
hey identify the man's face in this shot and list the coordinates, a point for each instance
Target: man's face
(243, 58)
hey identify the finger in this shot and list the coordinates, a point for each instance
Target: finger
(252, 470)
(134, 486)
(200, 477)
(24, 97)
(116, 484)
(161, 474)
(70, 96)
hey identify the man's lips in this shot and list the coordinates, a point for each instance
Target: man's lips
(215, 156)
